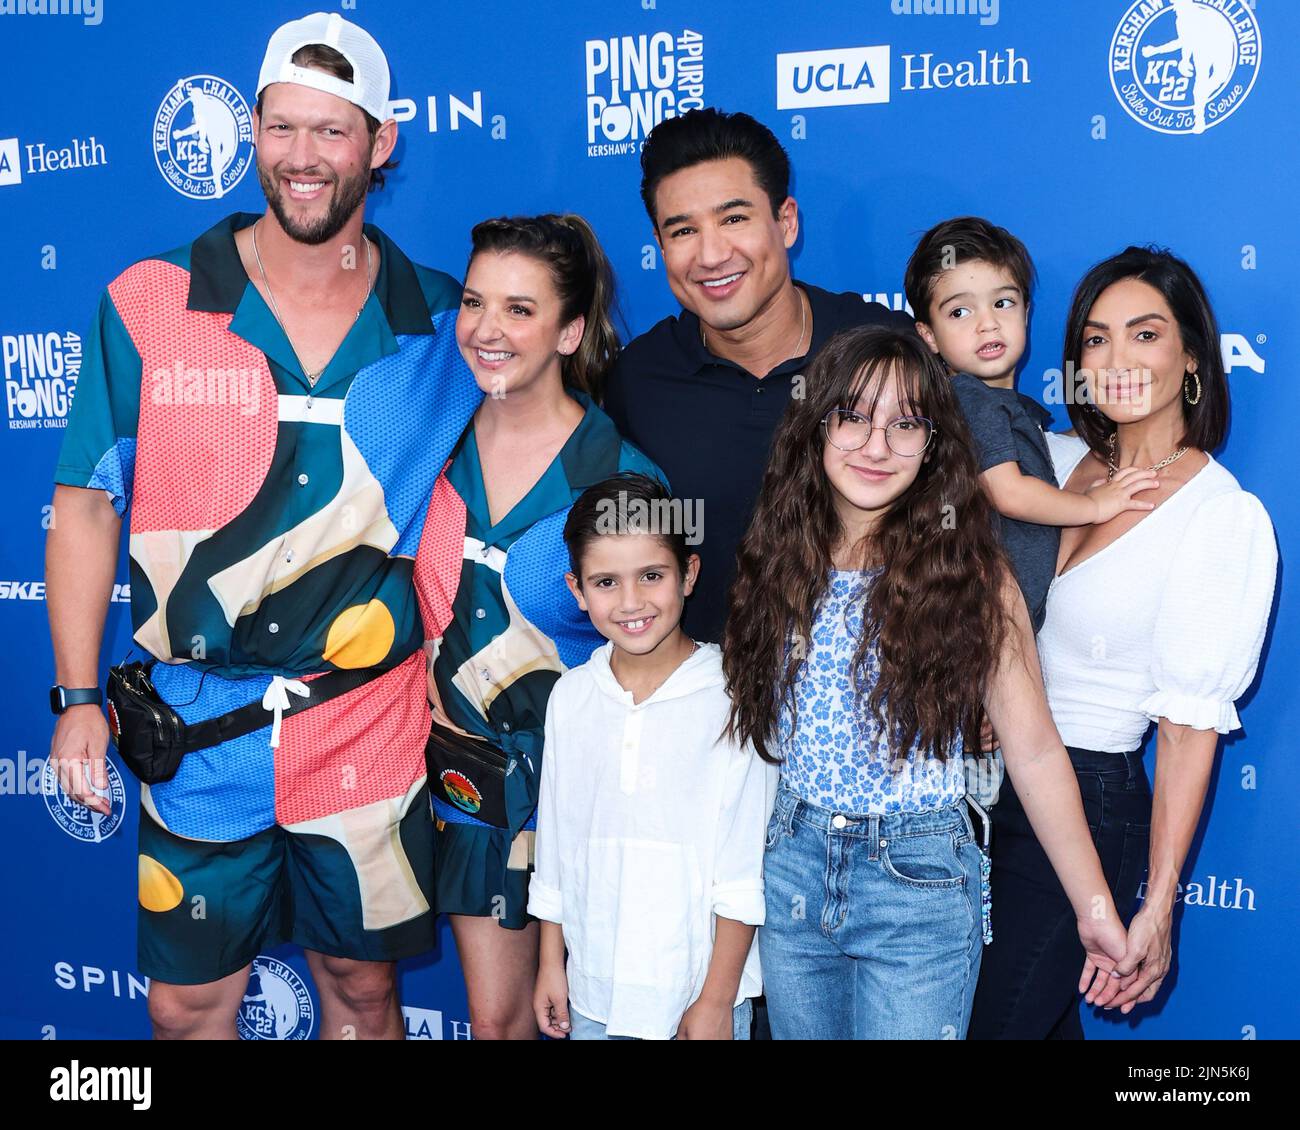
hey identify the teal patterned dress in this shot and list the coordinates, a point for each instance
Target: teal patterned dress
(514, 629)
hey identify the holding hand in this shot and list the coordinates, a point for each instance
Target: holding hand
(1115, 497)
(1147, 959)
(1105, 943)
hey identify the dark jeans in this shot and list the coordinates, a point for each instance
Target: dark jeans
(1028, 981)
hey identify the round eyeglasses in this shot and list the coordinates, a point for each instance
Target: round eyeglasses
(908, 436)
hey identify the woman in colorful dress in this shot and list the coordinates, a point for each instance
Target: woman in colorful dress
(535, 328)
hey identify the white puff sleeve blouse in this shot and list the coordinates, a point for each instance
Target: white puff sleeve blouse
(1165, 622)
(1212, 618)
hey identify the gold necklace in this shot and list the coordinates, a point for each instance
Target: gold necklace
(803, 325)
(1112, 469)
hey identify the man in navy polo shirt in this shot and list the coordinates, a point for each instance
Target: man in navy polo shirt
(701, 393)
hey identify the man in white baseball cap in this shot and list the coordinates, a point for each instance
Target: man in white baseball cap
(326, 54)
(279, 520)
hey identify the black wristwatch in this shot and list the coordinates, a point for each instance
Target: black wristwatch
(62, 697)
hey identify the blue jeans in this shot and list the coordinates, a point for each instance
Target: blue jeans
(1029, 987)
(584, 1028)
(873, 923)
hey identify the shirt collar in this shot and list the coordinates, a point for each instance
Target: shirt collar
(590, 455)
(586, 454)
(1036, 412)
(218, 278)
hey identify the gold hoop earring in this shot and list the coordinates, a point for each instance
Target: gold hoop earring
(1193, 400)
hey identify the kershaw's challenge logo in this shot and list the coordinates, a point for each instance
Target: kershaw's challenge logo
(1183, 66)
(203, 137)
(276, 1004)
(80, 822)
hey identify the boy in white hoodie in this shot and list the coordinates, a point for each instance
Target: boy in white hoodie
(651, 824)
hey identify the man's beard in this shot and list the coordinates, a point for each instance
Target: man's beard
(347, 196)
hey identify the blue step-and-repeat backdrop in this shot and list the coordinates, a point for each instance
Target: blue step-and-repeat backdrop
(1047, 116)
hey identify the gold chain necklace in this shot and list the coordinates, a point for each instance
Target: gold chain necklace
(312, 378)
(1112, 469)
(803, 325)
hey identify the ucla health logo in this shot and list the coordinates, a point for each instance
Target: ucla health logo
(203, 137)
(80, 822)
(276, 1005)
(634, 82)
(847, 76)
(11, 170)
(1184, 66)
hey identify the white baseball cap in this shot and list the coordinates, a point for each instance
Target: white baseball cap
(369, 86)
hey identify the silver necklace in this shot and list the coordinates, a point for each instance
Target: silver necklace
(312, 378)
(803, 325)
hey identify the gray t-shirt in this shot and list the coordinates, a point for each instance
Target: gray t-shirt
(1008, 428)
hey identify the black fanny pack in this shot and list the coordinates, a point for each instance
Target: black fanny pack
(467, 773)
(152, 738)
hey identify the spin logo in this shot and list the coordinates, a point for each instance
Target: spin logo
(40, 375)
(634, 82)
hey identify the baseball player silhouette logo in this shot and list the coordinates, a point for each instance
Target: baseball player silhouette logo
(203, 137)
(1187, 66)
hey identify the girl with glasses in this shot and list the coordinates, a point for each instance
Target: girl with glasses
(873, 616)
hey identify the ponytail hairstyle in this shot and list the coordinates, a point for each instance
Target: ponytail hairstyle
(934, 612)
(583, 278)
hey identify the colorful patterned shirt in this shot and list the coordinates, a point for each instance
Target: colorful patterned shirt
(515, 627)
(836, 755)
(274, 525)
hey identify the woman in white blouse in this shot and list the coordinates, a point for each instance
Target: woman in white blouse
(1155, 616)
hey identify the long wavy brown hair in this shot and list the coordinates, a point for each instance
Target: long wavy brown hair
(935, 612)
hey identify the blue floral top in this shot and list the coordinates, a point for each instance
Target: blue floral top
(838, 757)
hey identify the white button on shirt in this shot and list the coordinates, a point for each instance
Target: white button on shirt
(648, 826)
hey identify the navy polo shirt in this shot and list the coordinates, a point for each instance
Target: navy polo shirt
(709, 424)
